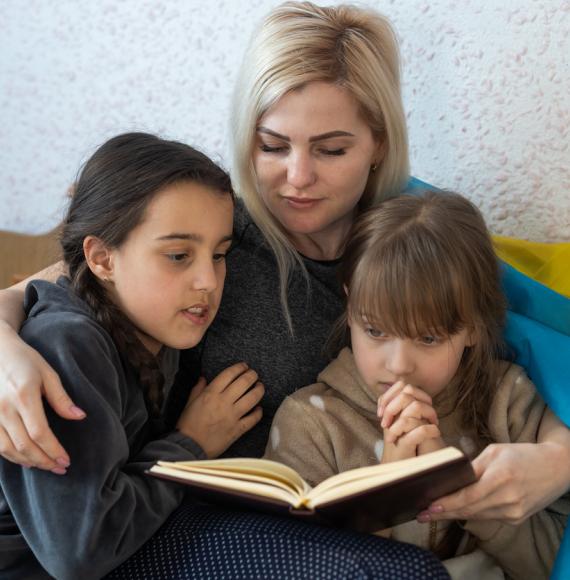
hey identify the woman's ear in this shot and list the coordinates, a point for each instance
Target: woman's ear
(99, 258)
(381, 148)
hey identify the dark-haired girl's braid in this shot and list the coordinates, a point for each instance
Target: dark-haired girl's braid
(123, 334)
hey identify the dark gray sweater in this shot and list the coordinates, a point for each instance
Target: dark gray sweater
(85, 523)
(250, 327)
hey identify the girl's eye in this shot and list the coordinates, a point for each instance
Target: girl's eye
(429, 340)
(177, 258)
(219, 257)
(374, 333)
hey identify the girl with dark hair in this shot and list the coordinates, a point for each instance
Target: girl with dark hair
(144, 241)
(424, 318)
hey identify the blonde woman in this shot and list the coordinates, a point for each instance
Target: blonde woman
(319, 135)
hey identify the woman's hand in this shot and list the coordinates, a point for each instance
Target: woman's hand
(515, 480)
(25, 436)
(218, 414)
(409, 422)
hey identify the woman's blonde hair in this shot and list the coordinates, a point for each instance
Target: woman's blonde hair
(298, 43)
(425, 265)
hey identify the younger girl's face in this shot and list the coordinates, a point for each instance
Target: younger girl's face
(168, 275)
(426, 362)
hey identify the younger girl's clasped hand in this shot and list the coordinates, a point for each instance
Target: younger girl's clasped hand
(409, 423)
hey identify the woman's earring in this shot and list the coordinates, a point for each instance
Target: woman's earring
(373, 167)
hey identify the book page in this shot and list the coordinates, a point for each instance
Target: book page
(356, 480)
(246, 469)
(266, 489)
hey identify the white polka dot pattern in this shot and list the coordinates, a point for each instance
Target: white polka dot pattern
(317, 402)
(201, 541)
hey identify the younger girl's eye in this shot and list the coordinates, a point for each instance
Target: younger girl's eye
(219, 257)
(375, 333)
(429, 340)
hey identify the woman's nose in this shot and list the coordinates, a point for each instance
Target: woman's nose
(300, 170)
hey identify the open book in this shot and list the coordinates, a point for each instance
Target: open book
(365, 499)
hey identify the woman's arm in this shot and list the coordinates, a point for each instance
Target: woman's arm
(515, 481)
(25, 377)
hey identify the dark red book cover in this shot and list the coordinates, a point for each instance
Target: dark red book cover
(370, 510)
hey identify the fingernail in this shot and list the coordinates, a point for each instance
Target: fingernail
(79, 413)
(423, 517)
(59, 471)
(62, 461)
(435, 509)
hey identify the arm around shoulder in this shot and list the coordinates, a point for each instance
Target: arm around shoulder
(24, 377)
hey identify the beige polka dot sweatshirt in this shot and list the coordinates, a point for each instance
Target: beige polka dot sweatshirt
(331, 426)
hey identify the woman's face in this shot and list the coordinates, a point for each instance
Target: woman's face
(312, 158)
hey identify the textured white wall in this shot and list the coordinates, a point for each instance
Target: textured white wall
(486, 86)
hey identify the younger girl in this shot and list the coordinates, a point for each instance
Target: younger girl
(424, 314)
(144, 241)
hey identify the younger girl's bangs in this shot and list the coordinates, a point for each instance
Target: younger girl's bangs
(404, 288)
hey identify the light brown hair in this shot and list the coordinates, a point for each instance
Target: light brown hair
(425, 265)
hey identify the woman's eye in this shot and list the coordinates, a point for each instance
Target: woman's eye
(177, 258)
(333, 152)
(271, 149)
(219, 257)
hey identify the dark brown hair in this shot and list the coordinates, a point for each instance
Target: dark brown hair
(109, 200)
(425, 265)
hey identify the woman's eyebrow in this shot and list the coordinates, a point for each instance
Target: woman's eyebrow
(321, 137)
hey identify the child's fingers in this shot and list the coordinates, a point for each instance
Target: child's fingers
(251, 398)
(421, 410)
(241, 385)
(398, 388)
(417, 393)
(409, 395)
(419, 435)
(249, 420)
(401, 426)
(389, 396)
(227, 377)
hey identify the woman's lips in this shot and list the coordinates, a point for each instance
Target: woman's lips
(302, 202)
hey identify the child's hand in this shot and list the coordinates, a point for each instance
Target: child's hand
(219, 413)
(409, 422)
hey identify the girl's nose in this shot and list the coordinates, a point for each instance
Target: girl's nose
(205, 278)
(400, 361)
(300, 170)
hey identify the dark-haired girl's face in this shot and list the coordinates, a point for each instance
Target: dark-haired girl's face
(168, 275)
